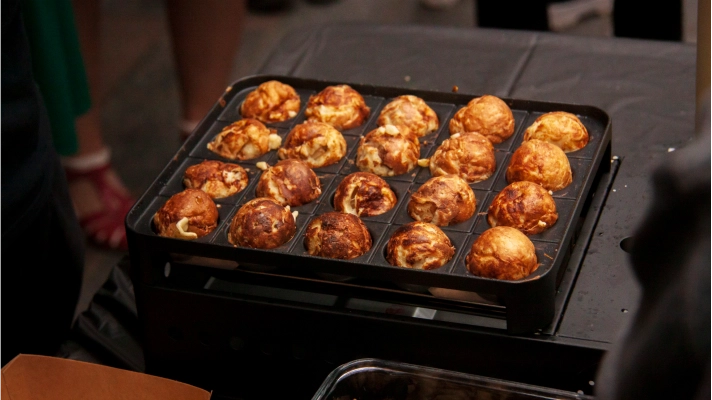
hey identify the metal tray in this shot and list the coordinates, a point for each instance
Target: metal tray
(529, 302)
(373, 379)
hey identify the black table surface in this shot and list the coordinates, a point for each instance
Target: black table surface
(647, 87)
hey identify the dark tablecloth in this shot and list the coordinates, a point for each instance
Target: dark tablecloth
(647, 87)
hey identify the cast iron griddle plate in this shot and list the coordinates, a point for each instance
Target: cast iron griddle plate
(550, 245)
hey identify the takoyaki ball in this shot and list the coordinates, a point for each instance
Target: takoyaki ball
(486, 115)
(364, 194)
(244, 140)
(419, 245)
(560, 128)
(443, 200)
(290, 182)
(339, 106)
(410, 111)
(217, 179)
(316, 143)
(272, 101)
(502, 253)
(540, 162)
(467, 155)
(388, 151)
(187, 215)
(523, 205)
(262, 223)
(337, 235)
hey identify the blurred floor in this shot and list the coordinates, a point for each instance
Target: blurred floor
(140, 94)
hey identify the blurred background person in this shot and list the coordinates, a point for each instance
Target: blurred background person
(204, 36)
(42, 243)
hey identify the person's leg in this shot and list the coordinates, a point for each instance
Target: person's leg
(87, 16)
(100, 198)
(206, 35)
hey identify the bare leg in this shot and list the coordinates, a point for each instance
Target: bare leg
(88, 19)
(100, 199)
(206, 35)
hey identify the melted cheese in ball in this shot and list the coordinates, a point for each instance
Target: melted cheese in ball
(217, 179)
(289, 182)
(419, 245)
(468, 155)
(443, 200)
(561, 129)
(244, 140)
(187, 215)
(316, 143)
(388, 151)
(339, 106)
(271, 102)
(410, 111)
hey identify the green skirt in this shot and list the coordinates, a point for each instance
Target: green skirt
(58, 67)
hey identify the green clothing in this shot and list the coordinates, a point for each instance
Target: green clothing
(58, 67)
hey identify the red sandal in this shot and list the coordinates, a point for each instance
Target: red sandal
(104, 228)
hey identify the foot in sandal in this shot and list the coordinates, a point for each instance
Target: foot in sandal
(100, 199)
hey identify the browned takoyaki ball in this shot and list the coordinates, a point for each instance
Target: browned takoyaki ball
(316, 143)
(410, 111)
(337, 235)
(502, 253)
(560, 128)
(419, 245)
(290, 182)
(540, 162)
(217, 179)
(388, 151)
(272, 101)
(364, 195)
(487, 115)
(262, 223)
(244, 140)
(523, 205)
(339, 106)
(443, 200)
(187, 215)
(467, 155)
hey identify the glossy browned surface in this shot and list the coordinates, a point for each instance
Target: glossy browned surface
(560, 128)
(316, 143)
(410, 111)
(216, 178)
(290, 182)
(443, 200)
(272, 101)
(523, 205)
(242, 140)
(193, 204)
(502, 253)
(468, 155)
(540, 162)
(388, 151)
(419, 245)
(262, 223)
(487, 115)
(364, 194)
(337, 235)
(339, 106)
